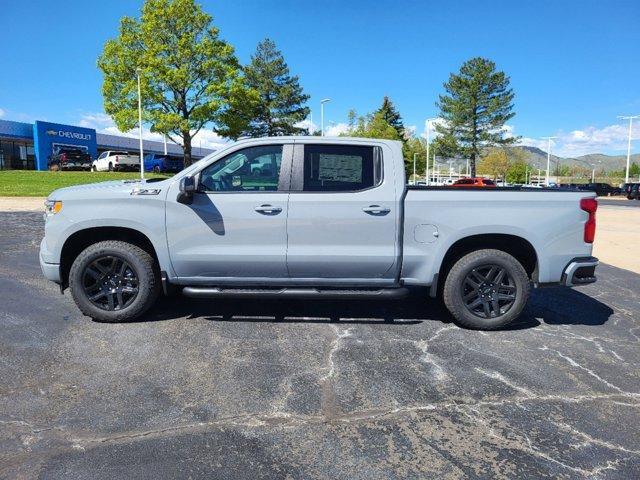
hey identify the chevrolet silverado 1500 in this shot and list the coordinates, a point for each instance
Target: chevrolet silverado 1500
(313, 217)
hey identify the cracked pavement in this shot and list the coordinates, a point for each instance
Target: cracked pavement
(322, 389)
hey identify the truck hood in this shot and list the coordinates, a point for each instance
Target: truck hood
(106, 189)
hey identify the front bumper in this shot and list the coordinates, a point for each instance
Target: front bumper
(580, 271)
(51, 271)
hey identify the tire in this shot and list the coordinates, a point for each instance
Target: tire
(459, 294)
(156, 169)
(110, 167)
(93, 265)
(94, 168)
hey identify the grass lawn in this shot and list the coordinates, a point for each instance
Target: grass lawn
(29, 183)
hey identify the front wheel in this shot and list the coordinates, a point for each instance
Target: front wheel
(114, 281)
(486, 289)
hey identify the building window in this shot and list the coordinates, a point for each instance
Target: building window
(16, 155)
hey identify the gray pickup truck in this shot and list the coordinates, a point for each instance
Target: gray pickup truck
(312, 217)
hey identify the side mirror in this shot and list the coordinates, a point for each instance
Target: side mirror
(187, 188)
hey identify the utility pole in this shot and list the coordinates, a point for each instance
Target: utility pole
(548, 139)
(630, 118)
(428, 125)
(138, 70)
(322, 102)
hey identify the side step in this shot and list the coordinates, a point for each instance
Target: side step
(215, 292)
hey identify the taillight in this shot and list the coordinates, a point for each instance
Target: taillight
(63, 157)
(589, 205)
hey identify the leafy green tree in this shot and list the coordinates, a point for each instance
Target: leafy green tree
(418, 147)
(190, 78)
(477, 103)
(496, 164)
(634, 169)
(391, 115)
(282, 99)
(517, 172)
(374, 126)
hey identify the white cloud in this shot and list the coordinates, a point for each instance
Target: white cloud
(431, 124)
(309, 125)
(2, 113)
(103, 123)
(336, 129)
(612, 138)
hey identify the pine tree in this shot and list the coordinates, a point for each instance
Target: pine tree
(477, 105)
(391, 115)
(281, 104)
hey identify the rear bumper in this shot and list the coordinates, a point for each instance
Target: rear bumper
(580, 271)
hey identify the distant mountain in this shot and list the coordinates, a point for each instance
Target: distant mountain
(538, 159)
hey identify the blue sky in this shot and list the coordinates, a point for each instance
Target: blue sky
(574, 65)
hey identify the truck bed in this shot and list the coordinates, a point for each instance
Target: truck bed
(549, 219)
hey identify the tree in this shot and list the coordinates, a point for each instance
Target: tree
(373, 126)
(282, 100)
(496, 164)
(190, 78)
(475, 108)
(418, 147)
(517, 172)
(391, 115)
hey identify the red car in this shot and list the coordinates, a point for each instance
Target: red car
(474, 182)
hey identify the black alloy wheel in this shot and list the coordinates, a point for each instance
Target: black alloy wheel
(489, 291)
(110, 283)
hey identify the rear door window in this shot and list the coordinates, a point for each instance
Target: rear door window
(341, 168)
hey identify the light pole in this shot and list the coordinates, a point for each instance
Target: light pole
(426, 172)
(138, 70)
(548, 139)
(630, 118)
(322, 102)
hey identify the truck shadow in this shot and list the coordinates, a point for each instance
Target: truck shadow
(553, 306)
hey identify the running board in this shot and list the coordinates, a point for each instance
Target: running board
(215, 292)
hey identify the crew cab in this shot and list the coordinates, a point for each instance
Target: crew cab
(112, 160)
(314, 217)
(70, 158)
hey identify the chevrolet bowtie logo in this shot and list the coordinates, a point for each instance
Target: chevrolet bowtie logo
(51, 132)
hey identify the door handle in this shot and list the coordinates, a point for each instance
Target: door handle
(376, 210)
(268, 209)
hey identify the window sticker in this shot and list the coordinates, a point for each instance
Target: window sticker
(340, 168)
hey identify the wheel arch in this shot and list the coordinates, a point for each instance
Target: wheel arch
(518, 247)
(81, 239)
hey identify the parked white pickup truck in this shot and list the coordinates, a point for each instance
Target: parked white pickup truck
(314, 217)
(115, 161)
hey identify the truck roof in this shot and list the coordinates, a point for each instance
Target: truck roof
(317, 139)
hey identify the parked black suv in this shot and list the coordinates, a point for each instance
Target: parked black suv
(634, 191)
(601, 189)
(69, 158)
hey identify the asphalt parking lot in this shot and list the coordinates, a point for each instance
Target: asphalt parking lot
(314, 389)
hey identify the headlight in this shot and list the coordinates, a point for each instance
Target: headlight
(51, 207)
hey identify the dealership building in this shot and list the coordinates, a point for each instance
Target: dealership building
(26, 146)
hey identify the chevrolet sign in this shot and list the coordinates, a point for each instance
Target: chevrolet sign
(66, 134)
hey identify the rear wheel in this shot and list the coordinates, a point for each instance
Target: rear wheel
(156, 169)
(110, 167)
(486, 289)
(114, 281)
